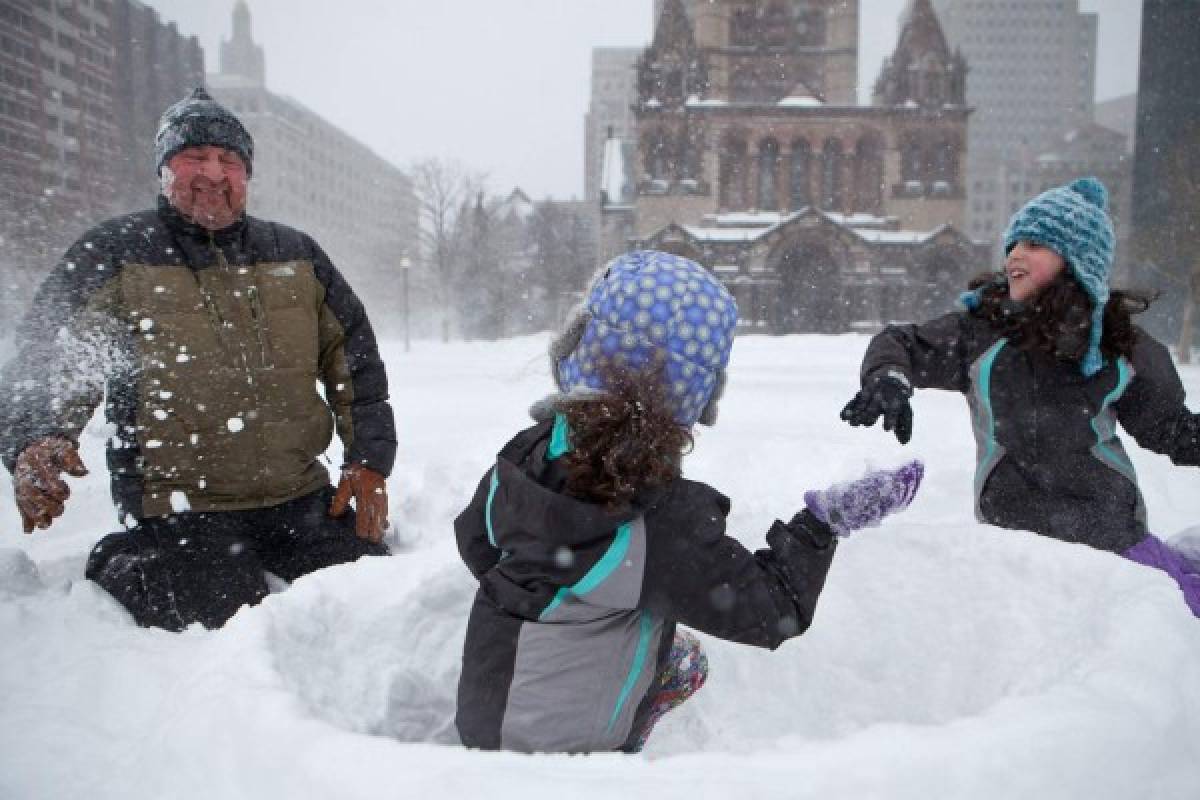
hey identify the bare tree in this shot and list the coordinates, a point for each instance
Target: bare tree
(443, 188)
(564, 254)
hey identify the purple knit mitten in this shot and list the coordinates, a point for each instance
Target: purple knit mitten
(847, 507)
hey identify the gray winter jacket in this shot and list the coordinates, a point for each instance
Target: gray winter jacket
(576, 607)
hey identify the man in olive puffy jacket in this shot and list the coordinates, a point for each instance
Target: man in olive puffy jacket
(205, 332)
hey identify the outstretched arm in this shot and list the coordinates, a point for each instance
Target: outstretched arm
(65, 347)
(707, 580)
(931, 355)
(901, 357)
(1152, 409)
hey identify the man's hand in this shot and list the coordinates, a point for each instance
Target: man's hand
(41, 494)
(887, 396)
(369, 490)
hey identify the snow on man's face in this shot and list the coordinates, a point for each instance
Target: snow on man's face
(1031, 267)
(207, 184)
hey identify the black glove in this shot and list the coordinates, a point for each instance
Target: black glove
(885, 394)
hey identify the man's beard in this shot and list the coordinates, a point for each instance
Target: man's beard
(210, 205)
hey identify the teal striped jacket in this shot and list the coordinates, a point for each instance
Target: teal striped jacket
(576, 607)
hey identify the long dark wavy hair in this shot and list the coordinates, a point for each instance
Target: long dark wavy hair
(624, 439)
(1058, 321)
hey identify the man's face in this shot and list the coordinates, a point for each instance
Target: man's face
(207, 184)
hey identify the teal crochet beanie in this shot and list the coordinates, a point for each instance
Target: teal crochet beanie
(1073, 221)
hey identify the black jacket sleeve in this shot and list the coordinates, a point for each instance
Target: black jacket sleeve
(352, 371)
(931, 355)
(64, 348)
(470, 530)
(700, 577)
(1152, 408)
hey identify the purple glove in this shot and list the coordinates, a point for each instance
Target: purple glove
(847, 507)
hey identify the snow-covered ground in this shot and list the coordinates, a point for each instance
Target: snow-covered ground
(948, 658)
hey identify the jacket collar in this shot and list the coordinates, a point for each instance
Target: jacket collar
(181, 225)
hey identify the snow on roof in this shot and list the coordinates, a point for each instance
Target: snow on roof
(724, 234)
(894, 237)
(800, 101)
(708, 102)
(860, 219)
(744, 218)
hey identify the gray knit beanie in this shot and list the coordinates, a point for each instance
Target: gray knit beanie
(198, 120)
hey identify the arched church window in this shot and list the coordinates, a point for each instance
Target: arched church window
(945, 163)
(832, 190)
(732, 175)
(809, 23)
(658, 155)
(768, 175)
(776, 25)
(868, 174)
(742, 28)
(798, 175)
(910, 164)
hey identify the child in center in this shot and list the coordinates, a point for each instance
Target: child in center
(590, 546)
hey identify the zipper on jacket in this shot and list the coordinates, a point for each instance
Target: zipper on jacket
(259, 312)
(223, 263)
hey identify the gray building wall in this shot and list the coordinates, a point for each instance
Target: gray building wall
(81, 87)
(1166, 162)
(614, 91)
(1032, 79)
(311, 175)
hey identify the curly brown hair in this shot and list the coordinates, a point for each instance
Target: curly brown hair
(1059, 319)
(624, 439)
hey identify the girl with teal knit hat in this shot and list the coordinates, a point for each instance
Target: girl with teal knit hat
(592, 550)
(1050, 362)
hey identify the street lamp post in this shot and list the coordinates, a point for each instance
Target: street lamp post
(405, 266)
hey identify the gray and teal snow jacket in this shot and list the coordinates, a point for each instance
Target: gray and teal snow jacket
(207, 348)
(576, 607)
(1048, 456)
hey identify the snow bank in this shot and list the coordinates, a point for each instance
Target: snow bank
(948, 659)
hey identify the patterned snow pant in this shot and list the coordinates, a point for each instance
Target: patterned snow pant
(684, 674)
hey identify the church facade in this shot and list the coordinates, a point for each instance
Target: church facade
(754, 158)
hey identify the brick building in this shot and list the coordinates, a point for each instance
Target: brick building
(754, 158)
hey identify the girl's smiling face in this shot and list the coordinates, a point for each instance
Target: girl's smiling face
(1031, 267)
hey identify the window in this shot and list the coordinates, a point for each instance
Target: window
(798, 177)
(831, 175)
(768, 175)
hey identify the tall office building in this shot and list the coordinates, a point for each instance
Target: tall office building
(154, 66)
(610, 111)
(1032, 80)
(310, 174)
(81, 87)
(1166, 172)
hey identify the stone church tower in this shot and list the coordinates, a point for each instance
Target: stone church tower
(239, 54)
(749, 134)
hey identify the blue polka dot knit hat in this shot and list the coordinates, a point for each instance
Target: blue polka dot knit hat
(1073, 221)
(644, 308)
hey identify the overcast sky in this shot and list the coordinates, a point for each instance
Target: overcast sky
(501, 85)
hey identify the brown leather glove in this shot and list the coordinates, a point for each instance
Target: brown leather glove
(369, 490)
(41, 493)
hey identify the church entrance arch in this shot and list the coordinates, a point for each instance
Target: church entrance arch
(941, 280)
(810, 292)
